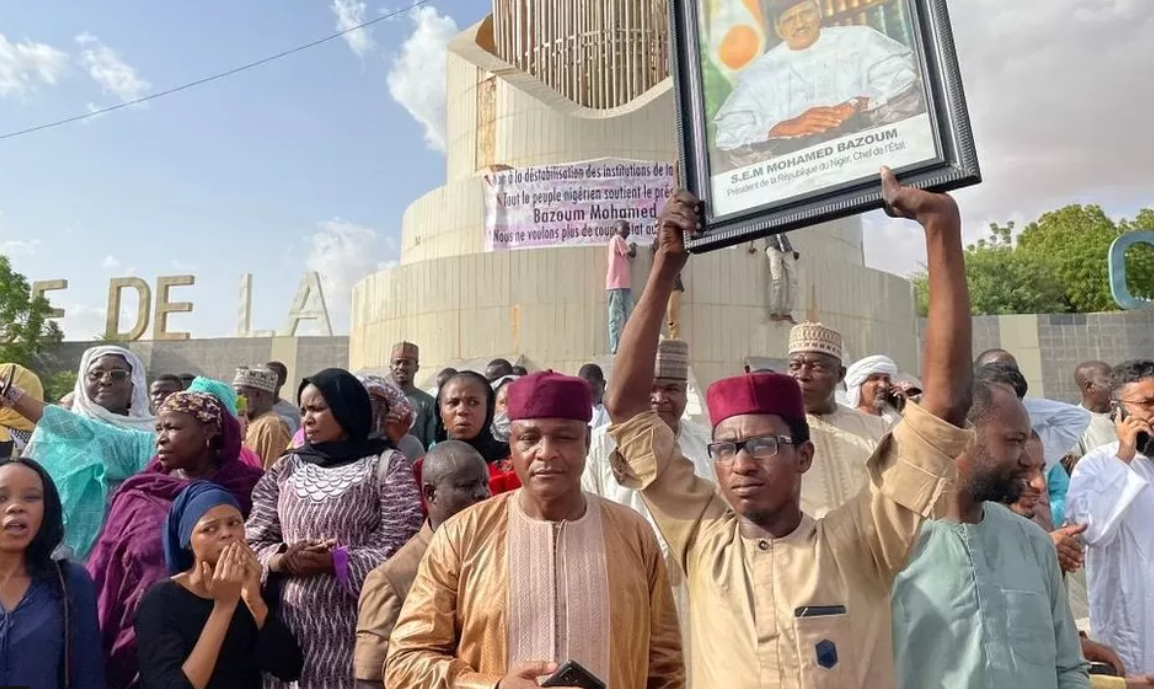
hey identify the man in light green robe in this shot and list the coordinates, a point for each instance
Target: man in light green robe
(981, 603)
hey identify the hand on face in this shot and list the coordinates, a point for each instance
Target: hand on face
(226, 580)
(1128, 427)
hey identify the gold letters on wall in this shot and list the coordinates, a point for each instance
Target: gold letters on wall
(309, 305)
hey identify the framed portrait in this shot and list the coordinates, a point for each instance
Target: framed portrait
(787, 109)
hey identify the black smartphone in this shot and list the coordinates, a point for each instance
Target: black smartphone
(571, 674)
(1142, 442)
(1102, 669)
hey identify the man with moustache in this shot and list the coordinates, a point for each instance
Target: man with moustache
(777, 598)
(981, 602)
(843, 439)
(534, 578)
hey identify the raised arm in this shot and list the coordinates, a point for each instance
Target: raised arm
(628, 392)
(912, 470)
(648, 458)
(947, 375)
(25, 405)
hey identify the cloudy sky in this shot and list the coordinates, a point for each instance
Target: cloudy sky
(307, 163)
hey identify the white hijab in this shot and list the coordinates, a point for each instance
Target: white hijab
(139, 413)
(861, 370)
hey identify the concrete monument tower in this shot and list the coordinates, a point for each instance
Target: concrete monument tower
(543, 82)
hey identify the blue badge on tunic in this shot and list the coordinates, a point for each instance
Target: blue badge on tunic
(826, 653)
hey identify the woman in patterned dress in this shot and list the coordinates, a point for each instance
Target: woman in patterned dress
(325, 515)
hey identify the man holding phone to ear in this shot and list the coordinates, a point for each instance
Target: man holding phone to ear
(1111, 494)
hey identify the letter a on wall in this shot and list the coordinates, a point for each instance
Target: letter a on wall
(310, 287)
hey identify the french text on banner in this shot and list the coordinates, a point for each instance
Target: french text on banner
(575, 204)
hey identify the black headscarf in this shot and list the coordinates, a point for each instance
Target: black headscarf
(349, 402)
(491, 449)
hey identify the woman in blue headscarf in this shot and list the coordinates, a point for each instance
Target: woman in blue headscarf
(208, 625)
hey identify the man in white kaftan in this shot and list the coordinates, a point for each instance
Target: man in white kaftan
(843, 438)
(1111, 493)
(815, 74)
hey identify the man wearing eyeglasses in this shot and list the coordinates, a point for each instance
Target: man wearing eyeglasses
(1110, 492)
(778, 598)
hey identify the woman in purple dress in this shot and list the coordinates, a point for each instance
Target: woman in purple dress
(325, 515)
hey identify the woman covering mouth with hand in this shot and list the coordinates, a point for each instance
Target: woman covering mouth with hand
(197, 438)
(49, 636)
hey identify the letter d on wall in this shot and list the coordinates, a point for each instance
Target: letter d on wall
(112, 328)
(1117, 262)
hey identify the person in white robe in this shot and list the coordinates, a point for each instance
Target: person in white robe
(815, 80)
(843, 439)
(1110, 492)
(870, 389)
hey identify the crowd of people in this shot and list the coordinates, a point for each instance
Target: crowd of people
(837, 525)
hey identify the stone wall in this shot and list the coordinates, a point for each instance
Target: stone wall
(1049, 346)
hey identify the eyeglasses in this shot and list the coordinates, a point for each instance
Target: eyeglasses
(765, 447)
(117, 375)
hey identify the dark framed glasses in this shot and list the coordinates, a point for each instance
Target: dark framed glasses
(762, 447)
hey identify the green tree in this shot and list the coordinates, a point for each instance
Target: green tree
(25, 327)
(1056, 264)
(1075, 242)
(58, 384)
(1002, 280)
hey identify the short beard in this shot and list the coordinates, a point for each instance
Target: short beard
(990, 483)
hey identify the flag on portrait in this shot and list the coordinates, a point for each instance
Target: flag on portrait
(735, 33)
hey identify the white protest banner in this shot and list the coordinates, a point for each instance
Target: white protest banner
(575, 204)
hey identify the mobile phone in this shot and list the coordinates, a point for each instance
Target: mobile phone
(1142, 441)
(571, 674)
(1102, 669)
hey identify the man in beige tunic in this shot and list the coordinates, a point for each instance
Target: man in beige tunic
(778, 599)
(843, 438)
(524, 582)
(454, 476)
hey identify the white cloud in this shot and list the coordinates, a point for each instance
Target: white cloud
(417, 77)
(83, 322)
(108, 69)
(1056, 122)
(23, 64)
(351, 13)
(343, 253)
(19, 247)
(110, 263)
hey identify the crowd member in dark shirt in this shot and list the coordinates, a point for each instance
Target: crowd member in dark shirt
(208, 627)
(47, 607)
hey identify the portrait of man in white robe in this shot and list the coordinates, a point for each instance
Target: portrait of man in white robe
(819, 83)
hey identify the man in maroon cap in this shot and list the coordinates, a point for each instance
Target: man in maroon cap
(521, 584)
(777, 598)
